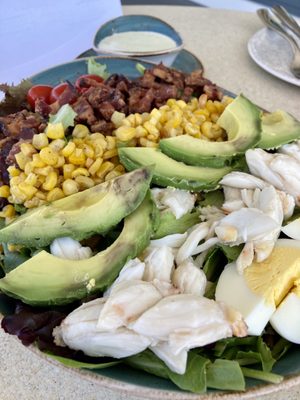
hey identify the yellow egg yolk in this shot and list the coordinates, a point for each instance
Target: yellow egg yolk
(276, 276)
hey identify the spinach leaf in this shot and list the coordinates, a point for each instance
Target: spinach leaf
(80, 364)
(193, 380)
(15, 97)
(225, 375)
(168, 224)
(12, 259)
(214, 198)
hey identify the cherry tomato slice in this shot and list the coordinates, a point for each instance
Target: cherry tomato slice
(57, 91)
(84, 82)
(39, 92)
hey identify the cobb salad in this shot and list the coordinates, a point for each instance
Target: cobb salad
(152, 223)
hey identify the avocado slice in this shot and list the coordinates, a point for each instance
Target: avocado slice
(278, 128)
(80, 215)
(168, 223)
(241, 121)
(168, 172)
(48, 280)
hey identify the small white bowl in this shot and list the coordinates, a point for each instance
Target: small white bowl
(138, 23)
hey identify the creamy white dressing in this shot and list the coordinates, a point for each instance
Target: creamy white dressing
(137, 42)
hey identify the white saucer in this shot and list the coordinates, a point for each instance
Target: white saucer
(272, 53)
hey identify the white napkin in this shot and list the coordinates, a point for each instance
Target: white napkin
(35, 34)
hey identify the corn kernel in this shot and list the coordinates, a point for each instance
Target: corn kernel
(55, 131)
(119, 168)
(4, 191)
(126, 123)
(31, 179)
(45, 171)
(80, 131)
(202, 100)
(80, 171)
(27, 149)
(95, 166)
(67, 170)
(125, 133)
(138, 119)
(60, 162)
(50, 182)
(40, 140)
(28, 168)
(37, 162)
(147, 143)
(32, 203)
(70, 187)
(98, 150)
(106, 167)
(131, 120)
(88, 151)
(55, 194)
(8, 211)
(117, 118)
(140, 131)
(49, 156)
(111, 142)
(68, 149)
(13, 171)
(28, 190)
(16, 180)
(40, 195)
(77, 157)
(206, 129)
(112, 174)
(84, 182)
(89, 162)
(110, 153)
(151, 128)
(57, 144)
(96, 136)
(22, 160)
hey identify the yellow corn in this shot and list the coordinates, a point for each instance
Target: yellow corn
(55, 194)
(55, 131)
(27, 149)
(40, 140)
(112, 174)
(95, 166)
(80, 131)
(13, 171)
(27, 189)
(4, 191)
(57, 144)
(110, 153)
(111, 142)
(80, 171)
(84, 182)
(48, 156)
(37, 162)
(125, 133)
(70, 187)
(50, 182)
(34, 202)
(31, 179)
(45, 171)
(77, 157)
(8, 211)
(88, 150)
(67, 170)
(21, 160)
(104, 169)
(68, 149)
(117, 118)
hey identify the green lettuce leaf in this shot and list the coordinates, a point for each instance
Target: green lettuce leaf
(66, 115)
(95, 68)
(15, 97)
(168, 223)
(225, 375)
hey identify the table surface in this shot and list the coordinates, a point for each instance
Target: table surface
(219, 38)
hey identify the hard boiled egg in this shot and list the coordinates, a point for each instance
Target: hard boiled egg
(263, 287)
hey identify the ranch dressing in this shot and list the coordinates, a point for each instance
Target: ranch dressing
(136, 42)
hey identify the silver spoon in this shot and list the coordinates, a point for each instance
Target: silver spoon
(286, 19)
(274, 25)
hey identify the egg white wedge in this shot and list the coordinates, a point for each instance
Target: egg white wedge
(232, 289)
(286, 319)
(263, 287)
(292, 229)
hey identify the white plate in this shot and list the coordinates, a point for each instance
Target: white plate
(272, 53)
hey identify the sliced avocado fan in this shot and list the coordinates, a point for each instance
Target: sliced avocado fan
(278, 128)
(240, 119)
(48, 280)
(95, 210)
(168, 172)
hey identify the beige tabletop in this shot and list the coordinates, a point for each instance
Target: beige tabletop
(219, 38)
